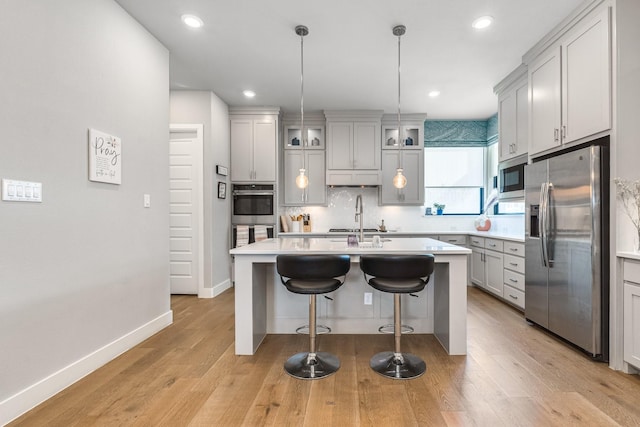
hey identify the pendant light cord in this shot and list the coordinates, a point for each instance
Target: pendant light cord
(399, 30)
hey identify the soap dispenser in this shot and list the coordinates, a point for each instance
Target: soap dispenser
(382, 227)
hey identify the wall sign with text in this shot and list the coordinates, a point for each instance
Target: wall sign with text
(105, 157)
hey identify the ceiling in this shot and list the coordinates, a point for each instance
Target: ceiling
(350, 54)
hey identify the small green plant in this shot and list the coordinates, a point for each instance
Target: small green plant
(438, 206)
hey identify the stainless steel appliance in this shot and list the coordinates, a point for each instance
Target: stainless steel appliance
(253, 204)
(567, 247)
(511, 178)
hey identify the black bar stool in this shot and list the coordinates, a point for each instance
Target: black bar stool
(312, 275)
(397, 274)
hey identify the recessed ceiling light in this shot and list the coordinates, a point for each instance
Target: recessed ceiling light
(434, 93)
(249, 93)
(192, 21)
(482, 22)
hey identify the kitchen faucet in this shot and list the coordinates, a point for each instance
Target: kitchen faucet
(359, 216)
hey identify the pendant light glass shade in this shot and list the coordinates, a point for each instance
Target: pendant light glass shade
(302, 180)
(399, 180)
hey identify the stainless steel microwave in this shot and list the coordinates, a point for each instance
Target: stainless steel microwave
(511, 178)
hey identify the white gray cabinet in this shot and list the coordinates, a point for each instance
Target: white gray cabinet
(513, 290)
(570, 86)
(497, 265)
(412, 162)
(253, 140)
(513, 114)
(631, 316)
(304, 149)
(353, 147)
(406, 151)
(316, 191)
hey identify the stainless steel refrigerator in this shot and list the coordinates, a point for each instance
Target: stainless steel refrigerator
(567, 247)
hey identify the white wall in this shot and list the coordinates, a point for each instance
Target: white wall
(206, 108)
(84, 274)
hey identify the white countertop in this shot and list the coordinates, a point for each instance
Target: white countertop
(630, 255)
(338, 245)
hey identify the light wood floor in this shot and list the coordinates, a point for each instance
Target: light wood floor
(513, 375)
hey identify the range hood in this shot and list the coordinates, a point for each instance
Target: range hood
(353, 178)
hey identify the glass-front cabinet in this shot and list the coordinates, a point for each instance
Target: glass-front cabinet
(306, 152)
(406, 153)
(410, 137)
(313, 137)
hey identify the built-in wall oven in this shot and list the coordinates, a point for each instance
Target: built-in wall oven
(251, 205)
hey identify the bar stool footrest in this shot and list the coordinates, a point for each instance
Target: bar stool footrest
(320, 329)
(390, 329)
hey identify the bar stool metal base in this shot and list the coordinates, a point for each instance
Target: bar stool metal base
(400, 366)
(308, 366)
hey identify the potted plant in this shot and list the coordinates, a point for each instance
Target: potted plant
(439, 208)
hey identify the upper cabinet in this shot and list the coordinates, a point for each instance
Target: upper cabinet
(570, 86)
(253, 140)
(353, 147)
(513, 114)
(406, 152)
(307, 153)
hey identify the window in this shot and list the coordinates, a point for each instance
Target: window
(454, 177)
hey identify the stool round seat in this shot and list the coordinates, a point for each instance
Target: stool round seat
(312, 275)
(397, 274)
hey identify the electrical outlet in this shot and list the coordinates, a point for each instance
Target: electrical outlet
(368, 298)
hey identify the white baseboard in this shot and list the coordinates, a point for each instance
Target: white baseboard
(30, 397)
(216, 290)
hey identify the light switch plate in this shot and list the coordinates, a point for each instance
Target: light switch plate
(21, 191)
(147, 200)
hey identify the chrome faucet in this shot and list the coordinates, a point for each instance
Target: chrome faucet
(359, 216)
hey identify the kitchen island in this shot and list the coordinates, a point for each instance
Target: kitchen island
(263, 305)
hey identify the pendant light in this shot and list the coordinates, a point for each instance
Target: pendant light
(302, 180)
(399, 180)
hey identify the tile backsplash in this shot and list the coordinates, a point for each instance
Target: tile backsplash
(341, 208)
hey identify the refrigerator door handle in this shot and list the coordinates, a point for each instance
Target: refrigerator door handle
(542, 223)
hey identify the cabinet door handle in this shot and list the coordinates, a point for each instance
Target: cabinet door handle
(564, 132)
(556, 133)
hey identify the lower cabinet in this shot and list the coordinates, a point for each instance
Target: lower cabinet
(631, 322)
(513, 290)
(498, 267)
(486, 264)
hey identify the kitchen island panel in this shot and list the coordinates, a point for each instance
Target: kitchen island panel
(264, 306)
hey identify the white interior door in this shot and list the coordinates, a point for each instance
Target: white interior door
(186, 208)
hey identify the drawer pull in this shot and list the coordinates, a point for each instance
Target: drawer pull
(492, 245)
(514, 280)
(513, 249)
(515, 264)
(452, 240)
(513, 296)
